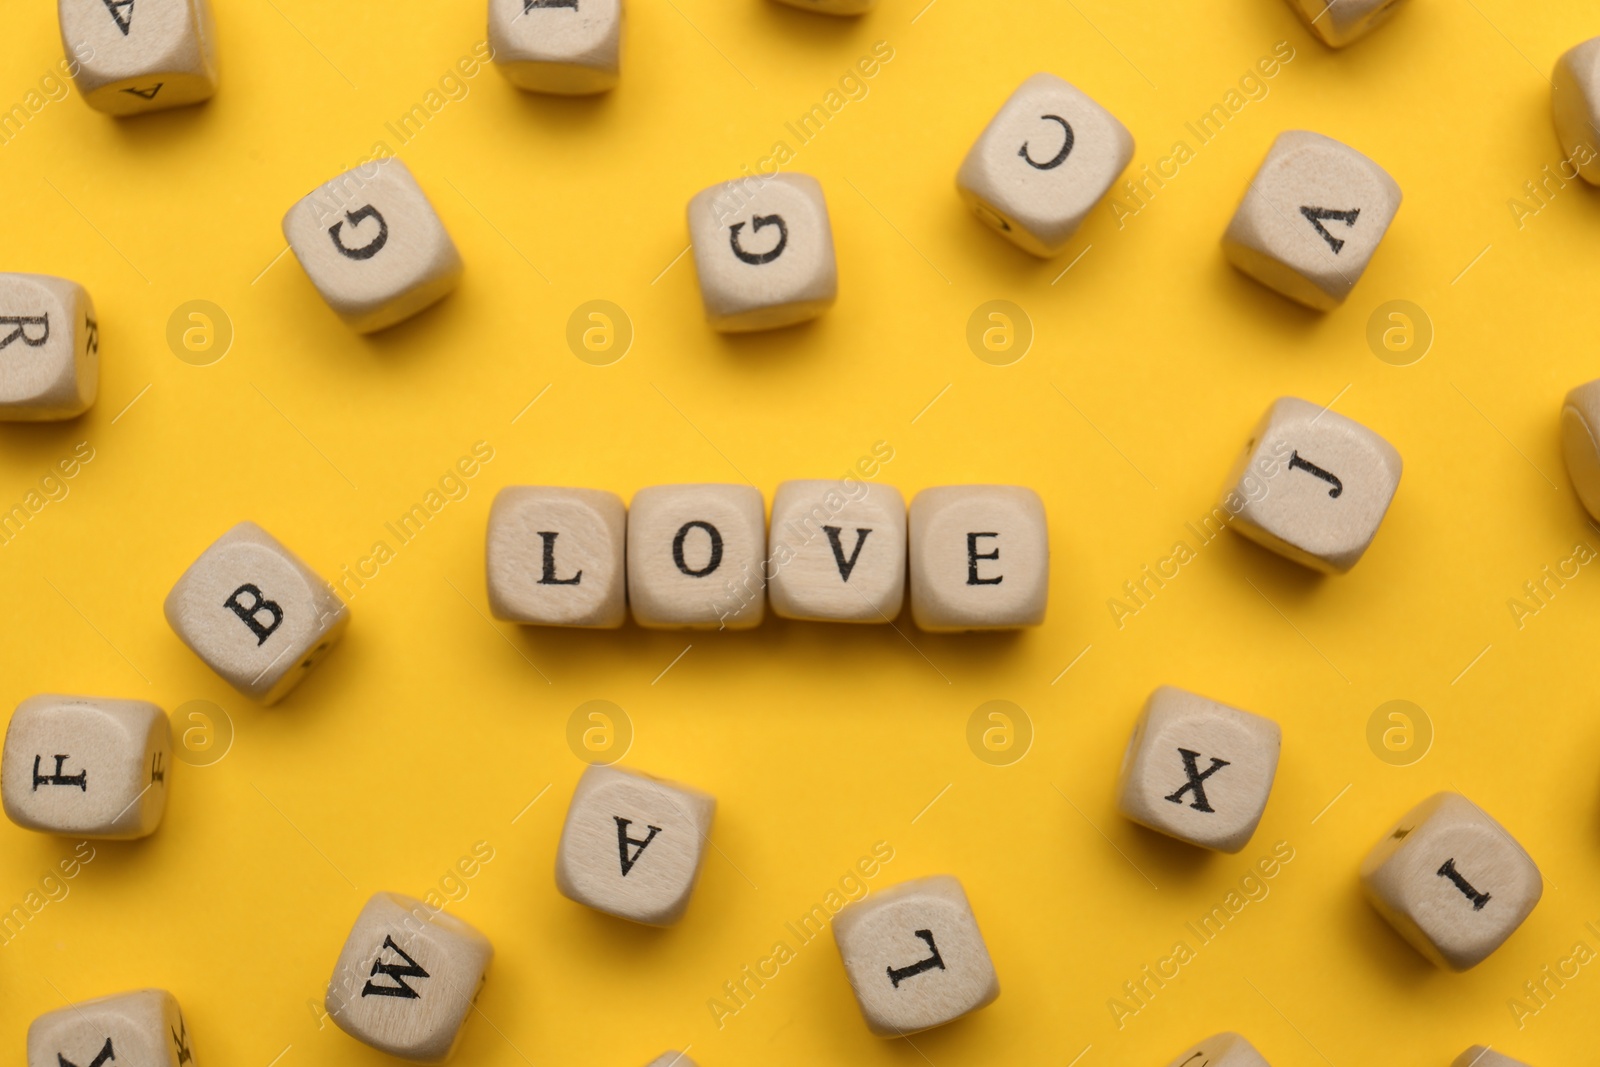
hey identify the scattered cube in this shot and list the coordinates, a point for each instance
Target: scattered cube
(1043, 163)
(1198, 770)
(1451, 881)
(1311, 219)
(136, 57)
(1580, 443)
(1575, 100)
(980, 558)
(407, 978)
(86, 766)
(764, 250)
(373, 246)
(914, 956)
(632, 845)
(1479, 1056)
(144, 1028)
(695, 557)
(255, 613)
(49, 348)
(834, 7)
(837, 552)
(1338, 22)
(558, 46)
(556, 556)
(1221, 1050)
(1312, 486)
(671, 1059)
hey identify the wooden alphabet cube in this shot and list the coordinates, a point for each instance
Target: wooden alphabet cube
(49, 348)
(1198, 770)
(1451, 881)
(407, 978)
(695, 557)
(1312, 486)
(763, 248)
(914, 956)
(373, 246)
(1575, 101)
(1043, 163)
(556, 556)
(1221, 1050)
(134, 56)
(86, 766)
(558, 46)
(1311, 219)
(633, 845)
(255, 613)
(671, 1059)
(979, 558)
(834, 7)
(1580, 443)
(1339, 22)
(144, 1028)
(837, 551)
(1479, 1056)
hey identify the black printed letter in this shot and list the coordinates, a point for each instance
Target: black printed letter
(932, 962)
(1196, 780)
(846, 565)
(716, 548)
(248, 612)
(623, 841)
(550, 578)
(973, 556)
(396, 971)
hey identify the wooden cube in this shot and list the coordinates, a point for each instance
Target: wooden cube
(1451, 880)
(1043, 163)
(49, 348)
(556, 556)
(1198, 770)
(1480, 1056)
(1338, 22)
(1580, 443)
(86, 766)
(1312, 485)
(834, 7)
(132, 57)
(1221, 1050)
(1575, 101)
(837, 551)
(558, 46)
(671, 1059)
(633, 845)
(763, 247)
(1311, 219)
(140, 1029)
(914, 956)
(407, 978)
(373, 246)
(695, 557)
(255, 613)
(979, 558)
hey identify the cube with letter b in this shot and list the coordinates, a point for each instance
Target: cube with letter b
(255, 613)
(980, 558)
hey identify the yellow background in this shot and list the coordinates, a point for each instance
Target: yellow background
(430, 729)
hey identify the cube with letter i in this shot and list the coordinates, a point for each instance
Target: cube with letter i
(979, 559)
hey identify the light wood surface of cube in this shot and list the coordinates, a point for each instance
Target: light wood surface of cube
(1198, 770)
(372, 244)
(763, 248)
(557, 557)
(837, 551)
(1311, 219)
(49, 348)
(1339, 22)
(833, 7)
(1312, 485)
(255, 613)
(1479, 1056)
(568, 47)
(696, 557)
(1451, 880)
(914, 956)
(671, 1059)
(979, 558)
(144, 1028)
(1580, 443)
(633, 845)
(86, 766)
(1043, 163)
(134, 56)
(407, 978)
(1221, 1050)
(1575, 103)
